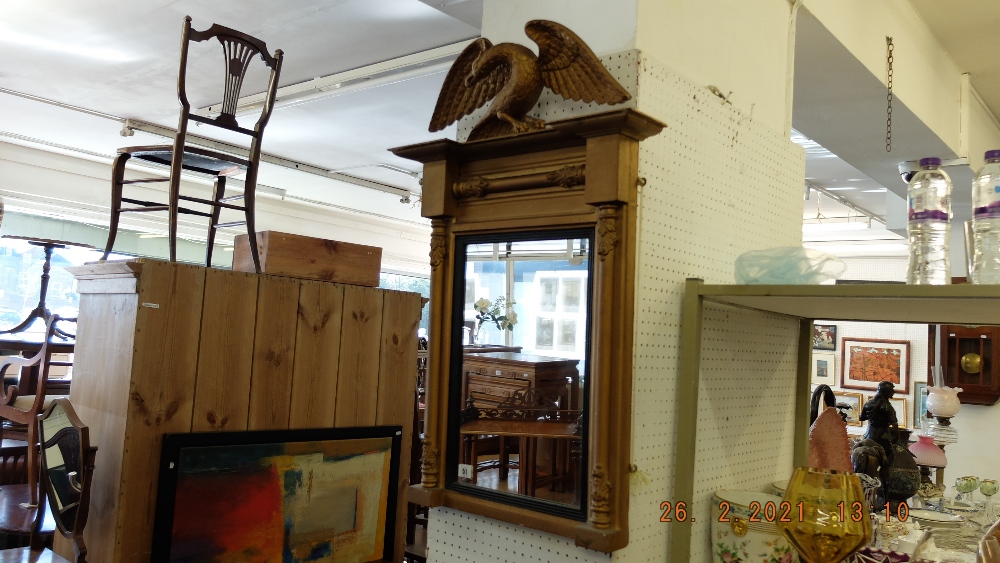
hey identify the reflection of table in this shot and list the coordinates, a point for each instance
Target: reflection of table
(41, 311)
(490, 378)
(29, 381)
(527, 432)
(489, 348)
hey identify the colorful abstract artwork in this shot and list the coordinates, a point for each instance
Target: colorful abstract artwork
(867, 362)
(313, 501)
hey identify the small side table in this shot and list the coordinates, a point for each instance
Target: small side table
(42, 311)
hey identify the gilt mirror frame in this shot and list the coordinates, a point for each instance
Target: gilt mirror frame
(579, 173)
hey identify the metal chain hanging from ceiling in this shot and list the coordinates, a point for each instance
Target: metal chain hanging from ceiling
(888, 96)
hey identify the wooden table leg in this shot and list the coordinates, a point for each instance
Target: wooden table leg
(503, 460)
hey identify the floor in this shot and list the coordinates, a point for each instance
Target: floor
(490, 479)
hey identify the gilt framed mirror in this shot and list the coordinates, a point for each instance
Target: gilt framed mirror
(529, 384)
(520, 346)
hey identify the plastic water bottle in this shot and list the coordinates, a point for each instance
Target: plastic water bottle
(986, 221)
(929, 195)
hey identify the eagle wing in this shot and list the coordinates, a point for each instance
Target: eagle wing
(456, 100)
(570, 68)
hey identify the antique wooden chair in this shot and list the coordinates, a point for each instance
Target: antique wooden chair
(67, 470)
(239, 49)
(24, 409)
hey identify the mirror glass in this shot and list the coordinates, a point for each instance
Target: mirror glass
(61, 462)
(520, 350)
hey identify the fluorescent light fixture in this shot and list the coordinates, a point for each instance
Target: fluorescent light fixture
(836, 249)
(878, 191)
(228, 249)
(834, 226)
(152, 235)
(840, 189)
(417, 65)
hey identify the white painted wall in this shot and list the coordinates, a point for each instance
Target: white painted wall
(924, 76)
(607, 26)
(738, 46)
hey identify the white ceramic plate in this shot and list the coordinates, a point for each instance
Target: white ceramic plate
(961, 507)
(934, 516)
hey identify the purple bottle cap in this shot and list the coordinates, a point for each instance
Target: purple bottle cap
(992, 154)
(931, 161)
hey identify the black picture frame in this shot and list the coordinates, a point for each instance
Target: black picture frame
(175, 445)
(825, 337)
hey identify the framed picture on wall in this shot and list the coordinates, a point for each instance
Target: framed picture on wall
(919, 403)
(902, 412)
(855, 401)
(866, 362)
(825, 337)
(823, 368)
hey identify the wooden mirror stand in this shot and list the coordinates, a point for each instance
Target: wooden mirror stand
(578, 173)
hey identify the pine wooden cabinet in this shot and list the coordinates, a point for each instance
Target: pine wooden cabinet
(166, 347)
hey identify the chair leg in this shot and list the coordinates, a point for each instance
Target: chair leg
(249, 194)
(117, 175)
(220, 192)
(32, 465)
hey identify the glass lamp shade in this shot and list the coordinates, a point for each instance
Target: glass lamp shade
(926, 453)
(833, 518)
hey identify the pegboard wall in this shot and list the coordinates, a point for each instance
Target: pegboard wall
(717, 185)
(623, 66)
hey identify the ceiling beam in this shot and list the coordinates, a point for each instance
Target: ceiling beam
(392, 71)
(130, 125)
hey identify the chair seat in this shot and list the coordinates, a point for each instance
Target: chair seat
(25, 555)
(195, 158)
(14, 518)
(24, 402)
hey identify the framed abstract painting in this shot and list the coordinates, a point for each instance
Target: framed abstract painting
(296, 496)
(824, 368)
(867, 362)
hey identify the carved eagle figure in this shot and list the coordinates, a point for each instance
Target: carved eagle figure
(513, 77)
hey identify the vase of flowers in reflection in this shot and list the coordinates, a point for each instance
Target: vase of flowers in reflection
(500, 313)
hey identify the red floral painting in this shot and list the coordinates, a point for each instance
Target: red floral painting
(866, 363)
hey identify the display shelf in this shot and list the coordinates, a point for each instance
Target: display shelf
(950, 304)
(940, 304)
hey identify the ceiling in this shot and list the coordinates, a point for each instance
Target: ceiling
(967, 29)
(120, 59)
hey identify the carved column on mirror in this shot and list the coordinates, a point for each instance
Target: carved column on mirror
(430, 461)
(606, 238)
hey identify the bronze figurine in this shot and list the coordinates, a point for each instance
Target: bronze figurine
(513, 77)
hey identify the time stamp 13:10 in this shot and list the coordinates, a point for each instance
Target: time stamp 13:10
(783, 512)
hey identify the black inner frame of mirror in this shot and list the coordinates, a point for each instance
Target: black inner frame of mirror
(455, 405)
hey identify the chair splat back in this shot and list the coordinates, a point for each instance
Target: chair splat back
(238, 49)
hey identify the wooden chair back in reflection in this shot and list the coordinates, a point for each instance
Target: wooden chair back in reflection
(67, 469)
(989, 545)
(21, 409)
(520, 420)
(239, 49)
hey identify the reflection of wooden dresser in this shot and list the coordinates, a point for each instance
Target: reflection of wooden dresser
(490, 378)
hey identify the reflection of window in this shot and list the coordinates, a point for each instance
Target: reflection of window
(567, 335)
(544, 334)
(550, 287)
(571, 296)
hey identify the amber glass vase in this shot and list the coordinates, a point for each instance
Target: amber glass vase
(829, 517)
